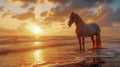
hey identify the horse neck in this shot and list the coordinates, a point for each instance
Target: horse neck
(79, 23)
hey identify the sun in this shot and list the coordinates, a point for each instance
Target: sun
(34, 29)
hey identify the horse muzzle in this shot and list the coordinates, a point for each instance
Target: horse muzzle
(69, 25)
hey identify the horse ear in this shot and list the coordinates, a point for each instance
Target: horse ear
(72, 13)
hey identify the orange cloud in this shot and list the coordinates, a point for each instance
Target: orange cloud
(13, 1)
(32, 8)
(5, 15)
(1, 8)
(27, 1)
(24, 16)
(24, 5)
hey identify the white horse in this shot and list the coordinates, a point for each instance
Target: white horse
(85, 30)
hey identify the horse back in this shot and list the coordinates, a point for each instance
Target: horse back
(92, 29)
(96, 27)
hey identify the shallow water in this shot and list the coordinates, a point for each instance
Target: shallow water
(59, 51)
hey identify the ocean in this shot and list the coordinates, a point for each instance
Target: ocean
(57, 51)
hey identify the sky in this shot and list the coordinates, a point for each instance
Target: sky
(52, 16)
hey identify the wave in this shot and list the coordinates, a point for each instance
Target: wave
(51, 41)
(16, 39)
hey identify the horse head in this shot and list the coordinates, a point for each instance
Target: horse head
(71, 18)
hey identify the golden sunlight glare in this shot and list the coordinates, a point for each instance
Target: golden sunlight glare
(35, 29)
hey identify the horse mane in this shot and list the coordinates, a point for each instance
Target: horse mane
(78, 17)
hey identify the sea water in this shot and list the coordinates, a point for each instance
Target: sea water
(54, 51)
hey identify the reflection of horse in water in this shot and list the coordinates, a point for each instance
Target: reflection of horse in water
(85, 30)
(96, 62)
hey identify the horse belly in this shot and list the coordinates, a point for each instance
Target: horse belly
(90, 31)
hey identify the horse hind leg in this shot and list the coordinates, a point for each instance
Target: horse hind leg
(99, 40)
(93, 40)
(83, 43)
(96, 42)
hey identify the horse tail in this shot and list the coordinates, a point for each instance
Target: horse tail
(98, 36)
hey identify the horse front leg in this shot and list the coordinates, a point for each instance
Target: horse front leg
(93, 40)
(83, 42)
(97, 42)
(79, 39)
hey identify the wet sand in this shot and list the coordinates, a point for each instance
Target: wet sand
(59, 56)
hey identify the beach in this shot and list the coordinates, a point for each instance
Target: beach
(58, 52)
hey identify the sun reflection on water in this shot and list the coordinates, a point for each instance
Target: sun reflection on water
(38, 56)
(37, 43)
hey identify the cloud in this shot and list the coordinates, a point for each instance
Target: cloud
(24, 16)
(22, 26)
(1, 8)
(87, 3)
(60, 12)
(106, 15)
(24, 5)
(45, 1)
(115, 16)
(32, 8)
(17, 1)
(63, 7)
(59, 1)
(5, 15)
(27, 1)
(13, 1)
(102, 13)
(4, 30)
(32, 1)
